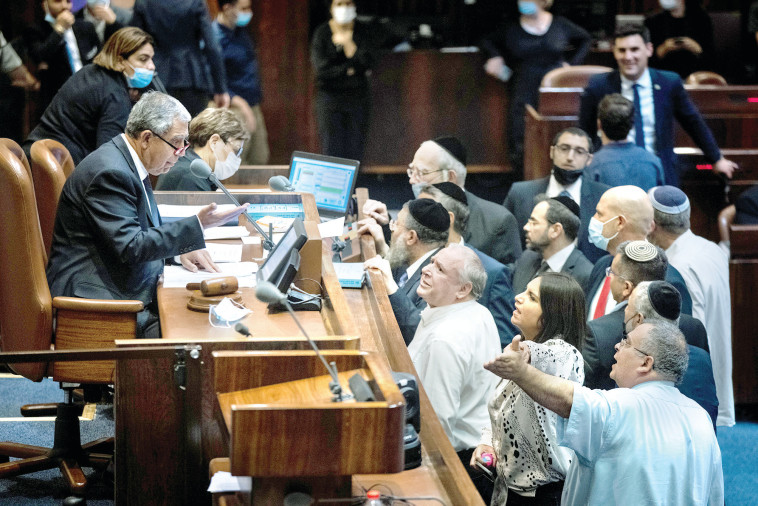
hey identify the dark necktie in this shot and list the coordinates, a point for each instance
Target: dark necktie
(639, 135)
(156, 218)
(544, 267)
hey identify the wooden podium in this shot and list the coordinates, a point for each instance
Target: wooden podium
(284, 429)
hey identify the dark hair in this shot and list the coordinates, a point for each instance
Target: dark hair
(460, 210)
(573, 131)
(636, 272)
(629, 29)
(425, 234)
(221, 3)
(616, 115)
(563, 309)
(558, 213)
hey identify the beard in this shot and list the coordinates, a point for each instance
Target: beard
(398, 255)
(539, 244)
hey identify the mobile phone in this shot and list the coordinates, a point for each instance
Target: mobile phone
(486, 471)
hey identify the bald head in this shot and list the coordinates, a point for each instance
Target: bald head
(632, 205)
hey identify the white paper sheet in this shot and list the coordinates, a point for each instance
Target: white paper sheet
(223, 481)
(331, 228)
(224, 252)
(225, 233)
(176, 276)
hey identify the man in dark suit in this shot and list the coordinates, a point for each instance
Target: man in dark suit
(491, 229)
(571, 152)
(747, 207)
(550, 241)
(636, 262)
(497, 295)
(660, 97)
(624, 213)
(420, 231)
(60, 45)
(109, 241)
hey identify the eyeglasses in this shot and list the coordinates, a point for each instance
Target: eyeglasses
(609, 271)
(624, 343)
(419, 172)
(566, 149)
(177, 151)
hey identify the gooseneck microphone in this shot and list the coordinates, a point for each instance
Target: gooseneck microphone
(202, 170)
(267, 292)
(280, 184)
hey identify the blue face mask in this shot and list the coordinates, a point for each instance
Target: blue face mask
(243, 18)
(49, 18)
(140, 79)
(527, 8)
(595, 233)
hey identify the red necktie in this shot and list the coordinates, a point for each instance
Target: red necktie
(602, 301)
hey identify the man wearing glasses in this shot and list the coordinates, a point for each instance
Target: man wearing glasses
(570, 152)
(491, 229)
(642, 443)
(109, 241)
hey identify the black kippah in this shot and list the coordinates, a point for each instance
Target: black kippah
(569, 203)
(453, 146)
(665, 299)
(429, 213)
(452, 190)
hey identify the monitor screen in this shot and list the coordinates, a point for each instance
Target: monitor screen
(292, 240)
(331, 180)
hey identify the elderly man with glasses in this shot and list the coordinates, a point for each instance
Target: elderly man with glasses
(642, 443)
(570, 152)
(109, 241)
(491, 228)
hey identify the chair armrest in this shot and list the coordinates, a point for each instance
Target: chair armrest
(98, 305)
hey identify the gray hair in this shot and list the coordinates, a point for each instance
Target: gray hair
(558, 213)
(473, 271)
(645, 307)
(665, 343)
(425, 234)
(156, 112)
(673, 223)
(449, 162)
(460, 210)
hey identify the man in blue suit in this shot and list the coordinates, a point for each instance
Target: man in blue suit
(109, 241)
(659, 97)
(571, 152)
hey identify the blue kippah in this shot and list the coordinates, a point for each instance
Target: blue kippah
(668, 199)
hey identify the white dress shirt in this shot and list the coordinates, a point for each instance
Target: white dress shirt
(554, 188)
(559, 258)
(647, 107)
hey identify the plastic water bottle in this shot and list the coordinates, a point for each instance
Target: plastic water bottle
(373, 498)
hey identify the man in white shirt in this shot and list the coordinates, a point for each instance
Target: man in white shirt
(642, 443)
(455, 337)
(551, 243)
(705, 269)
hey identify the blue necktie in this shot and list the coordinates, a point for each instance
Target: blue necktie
(639, 135)
(403, 279)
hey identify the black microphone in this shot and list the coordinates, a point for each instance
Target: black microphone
(267, 292)
(280, 184)
(242, 329)
(202, 170)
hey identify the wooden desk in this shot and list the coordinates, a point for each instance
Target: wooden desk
(743, 278)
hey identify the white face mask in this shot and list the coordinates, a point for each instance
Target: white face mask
(344, 15)
(669, 5)
(226, 168)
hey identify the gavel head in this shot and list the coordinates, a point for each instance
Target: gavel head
(219, 286)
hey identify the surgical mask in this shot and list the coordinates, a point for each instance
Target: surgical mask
(141, 78)
(595, 231)
(225, 169)
(669, 5)
(566, 177)
(95, 3)
(527, 8)
(227, 313)
(243, 18)
(344, 15)
(49, 18)
(416, 187)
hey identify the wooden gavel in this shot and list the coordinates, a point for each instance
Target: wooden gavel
(215, 286)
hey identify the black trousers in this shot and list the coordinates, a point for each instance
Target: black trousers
(343, 121)
(481, 482)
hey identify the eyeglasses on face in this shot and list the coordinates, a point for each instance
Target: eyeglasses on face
(609, 271)
(177, 151)
(566, 149)
(624, 343)
(421, 172)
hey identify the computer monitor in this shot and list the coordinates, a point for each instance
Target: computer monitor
(330, 179)
(280, 256)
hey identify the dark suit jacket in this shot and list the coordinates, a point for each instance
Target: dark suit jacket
(670, 101)
(597, 276)
(45, 45)
(105, 243)
(180, 29)
(530, 261)
(497, 297)
(520, 201)
(747, 207)
(492, 230)
(89, 110)
(599, 348)
(180, 177)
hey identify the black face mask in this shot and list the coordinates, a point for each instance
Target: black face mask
(566, 177)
